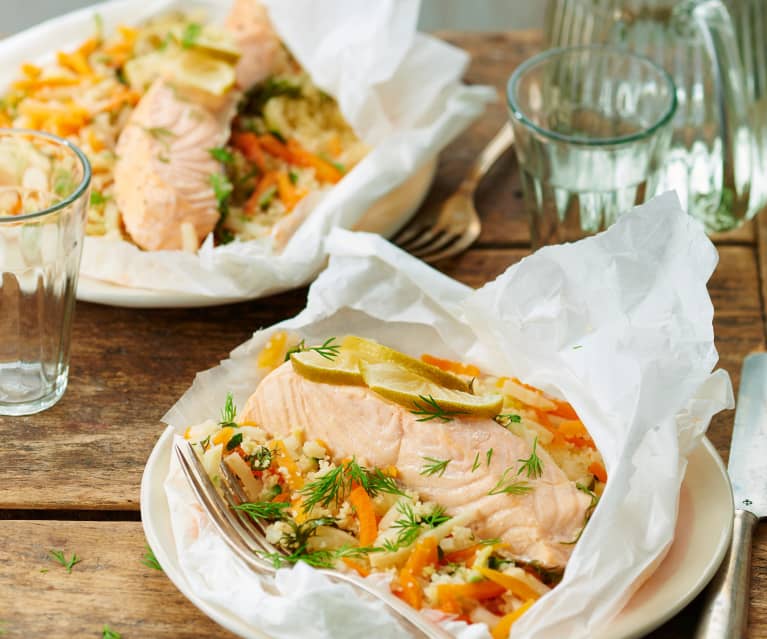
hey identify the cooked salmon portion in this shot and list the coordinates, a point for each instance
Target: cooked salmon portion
(249, 23)
(356, 422)
(163, 170)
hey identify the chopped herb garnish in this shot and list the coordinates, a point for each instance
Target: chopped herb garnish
(335, 484)
(98, 23)
(278, 135)
(98, 198)
(411, 525)
(204, 443)
(162, 157)
(261, 459)
(161, 134)
(293, 177)
(269, 510)
(531, 466)
(63, 183)
(488, 456)
(590, 493)
(257, 97)
(475, 465)
(489, 542)
(577, 346)
(190, 34)
(430, 409)
(510, 487)
(337, 165)
(70, 563)
(222, 188)
(222, 155)
(229, 413)
(108, 633)
(235, 441)
(320, 558)
(327, 349)
(434, 466)
(149, 559)
(508, 419)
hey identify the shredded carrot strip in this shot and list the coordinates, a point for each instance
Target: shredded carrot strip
(424, 554)
(355, 565)
(95, 142)
(323, 170)
(464, 556)
(267, 180)
(366, 515)
(598, 470)
(503, 627)
(518, 587)
(282, 497)
(283, 458)
(289, 195)
(564, 409)
(334, 145)
(480, 590)
(451, 366)
(31, 70)
(272, 145)
(573, 428)
(248, 144)
(74, 62)
(223, 436)
(273, 353)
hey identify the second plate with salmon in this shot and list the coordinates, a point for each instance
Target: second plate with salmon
(226, 139)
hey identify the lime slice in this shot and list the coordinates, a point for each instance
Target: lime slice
(373, 352)
(432, 400)
(342, 369)
(217, 44)
(198, 71)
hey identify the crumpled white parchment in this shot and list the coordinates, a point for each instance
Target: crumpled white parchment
(619, 324)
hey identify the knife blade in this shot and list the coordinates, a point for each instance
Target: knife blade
(725, 611)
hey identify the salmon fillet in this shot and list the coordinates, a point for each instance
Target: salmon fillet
(163, 168)
(356, 422)
(259, 45)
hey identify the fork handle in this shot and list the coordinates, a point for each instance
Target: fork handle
(500, 143)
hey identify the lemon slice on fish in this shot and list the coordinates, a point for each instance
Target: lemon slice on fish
(425, 398)
(373, 352)
(341, 369)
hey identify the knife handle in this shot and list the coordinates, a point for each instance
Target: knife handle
(725, 610)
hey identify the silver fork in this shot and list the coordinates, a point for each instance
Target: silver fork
(457, 224)
(248, 540)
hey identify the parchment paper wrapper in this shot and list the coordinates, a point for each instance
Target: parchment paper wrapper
(400, 91)
(619, 324)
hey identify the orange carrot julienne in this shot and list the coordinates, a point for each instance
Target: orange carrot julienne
(366, 516)
(282, 458)
(424, 554)
(516, 586)
(480, 590)
(564, 409)
(267, 181)
(450, 365)
(598, 470)
(289, 195)
(502, 628)
(248, 143)
(465, 555)
(323, 170)
(355, 565)
(573, 428)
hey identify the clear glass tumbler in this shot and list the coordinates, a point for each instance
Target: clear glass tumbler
(591, 128)
(44, 191)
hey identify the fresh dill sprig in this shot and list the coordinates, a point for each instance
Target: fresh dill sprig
(410, 525)
(190, 34)
(589, 511)
(234, 441)
(489, 456)
(434, 466)
(389, 545)
(335, 484)
(149, 559)
(327, 349)
(319, 558)
(475, 465)
(229, 413)
(430, 409)
(269, 510)
(510, 487)
(507, 419)
(108, 633)
(70, 563)
(532, 465)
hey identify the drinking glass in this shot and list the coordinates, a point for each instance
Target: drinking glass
(716, 52)
(44, 184)
(591, 128)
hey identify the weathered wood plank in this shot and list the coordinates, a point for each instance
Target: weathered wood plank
(58, 605)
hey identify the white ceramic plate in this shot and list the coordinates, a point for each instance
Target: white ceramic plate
(702, 536)
(386, 217)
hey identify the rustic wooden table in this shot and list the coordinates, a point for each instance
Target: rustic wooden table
(69, 477)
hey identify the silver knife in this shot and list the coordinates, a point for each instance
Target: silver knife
(725, 612)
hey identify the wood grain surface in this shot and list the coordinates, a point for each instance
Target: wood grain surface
(69, 477)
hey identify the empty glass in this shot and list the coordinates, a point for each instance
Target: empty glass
(716, 52)
(591, 128)
(44, 183)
